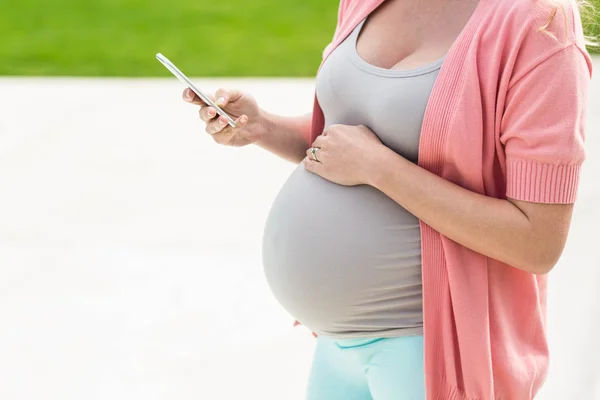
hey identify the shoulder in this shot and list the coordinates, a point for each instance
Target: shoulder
(346, 7)
(549, 23)
(556, 17)
(528, 32)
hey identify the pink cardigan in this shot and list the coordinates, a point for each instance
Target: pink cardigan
(505, 119)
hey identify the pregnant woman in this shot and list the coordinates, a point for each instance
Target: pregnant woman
(435, 183)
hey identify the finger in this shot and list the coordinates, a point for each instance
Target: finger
(309, 155)
(318, 153)
(190, 97)
(312, 166)
(207, 113)
(241, 121)
(216, 125)
(319, 142)
(225, 96)
(330, 129)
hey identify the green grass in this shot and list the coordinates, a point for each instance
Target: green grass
(202, 37)
(592, 23)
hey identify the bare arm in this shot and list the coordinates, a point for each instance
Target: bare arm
(527, 236)
(285, 136)
(542, 124)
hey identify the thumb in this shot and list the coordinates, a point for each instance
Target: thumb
(225, 96)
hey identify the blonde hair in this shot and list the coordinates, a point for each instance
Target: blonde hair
(589, 19)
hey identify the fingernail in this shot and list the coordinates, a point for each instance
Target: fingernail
(243, 119)
(211, 113)
(221, 121)
(221, 101)
(188, 94)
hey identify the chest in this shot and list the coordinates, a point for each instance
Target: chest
(405, 34)
(391, 103)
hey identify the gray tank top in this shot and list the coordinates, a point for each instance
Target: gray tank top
(346, 261)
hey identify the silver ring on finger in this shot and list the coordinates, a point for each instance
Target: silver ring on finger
(313, 153)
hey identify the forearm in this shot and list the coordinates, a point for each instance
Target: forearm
(490, 226)
(285, 136)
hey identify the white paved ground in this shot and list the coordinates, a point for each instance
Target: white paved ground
(130, 251)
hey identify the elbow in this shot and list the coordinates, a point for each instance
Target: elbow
(543, 262)
(543, 269)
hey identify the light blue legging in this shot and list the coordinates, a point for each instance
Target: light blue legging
(367, 369)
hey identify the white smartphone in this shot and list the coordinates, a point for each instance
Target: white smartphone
(184, 79)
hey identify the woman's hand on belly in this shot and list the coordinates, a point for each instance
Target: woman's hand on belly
(346, 155)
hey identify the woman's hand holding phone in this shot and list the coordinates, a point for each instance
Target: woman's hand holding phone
(240, 106)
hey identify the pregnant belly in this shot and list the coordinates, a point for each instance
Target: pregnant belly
(343, 259)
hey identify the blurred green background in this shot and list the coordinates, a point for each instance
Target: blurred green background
(202, 37)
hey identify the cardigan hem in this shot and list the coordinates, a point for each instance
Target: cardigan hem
(447, 391)
(444, 390)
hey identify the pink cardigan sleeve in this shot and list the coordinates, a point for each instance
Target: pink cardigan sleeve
(542, 128)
